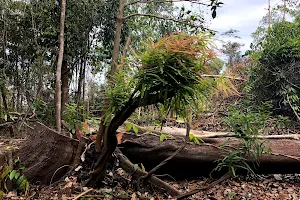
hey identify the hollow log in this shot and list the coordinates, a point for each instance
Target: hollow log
(198, 160)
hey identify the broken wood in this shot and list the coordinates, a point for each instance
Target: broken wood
(196, 160)
(44, 151)
(128, 166)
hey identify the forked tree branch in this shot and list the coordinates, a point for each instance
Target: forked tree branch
(164, 1)
(220, 76)
(295, 112)
(163, 18)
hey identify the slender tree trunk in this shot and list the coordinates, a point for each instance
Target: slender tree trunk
(117, 41)
(284, 9)
(83, 78)
(2, 82)
(3, 94)
(59, 66)
(269, 13)
(64, 86)
(78, 96)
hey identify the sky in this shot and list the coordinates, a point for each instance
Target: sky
(241, 15)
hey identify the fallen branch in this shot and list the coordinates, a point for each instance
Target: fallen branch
(83, 193)
(167, 159)
(295, 112)
(129, 167)
(203, 134)
(223, 178)
(151, 172)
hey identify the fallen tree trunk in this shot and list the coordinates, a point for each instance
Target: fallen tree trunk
(196, 160)
(202, 134)
(44, 154)
(46, 151)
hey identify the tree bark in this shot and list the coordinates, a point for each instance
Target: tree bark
(79, 86)
(64, 86)
(3, 94)
(117, 41)
(198, 160)
(83, 78)
(109, 143)
(59, 67)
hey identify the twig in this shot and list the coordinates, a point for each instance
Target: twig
(288, 156)
(221, 76)
(6, 123)
(223, 178)
(164, 1)
(83, 193)
(28, 125)
(160, 165)
(166, 175)
(188, 129)
(163, 18)
(296, 114)
(57, 171)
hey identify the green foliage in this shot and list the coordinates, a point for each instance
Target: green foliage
(133, 127)
(246, 125)
(275, 76)
(73, 115)
(120, 93)
(171, 69)
(282, 122)
(44, 111)
(195, 139)
(163, 137)
(19, 182)
(168, 75)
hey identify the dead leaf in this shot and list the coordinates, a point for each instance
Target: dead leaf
(278, 177)
(119, 138)
(133, 196)
(79, 133)
(78, 168)
(68, 185)
(93, 137)
(11, 194)
(236, 184)
(284, 196)
(85, 126)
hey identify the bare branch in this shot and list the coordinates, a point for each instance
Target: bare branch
(165, 1)
(220, 76)
(295, 112)
(163, 18)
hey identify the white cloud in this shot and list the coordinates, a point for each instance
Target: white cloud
(240, 18)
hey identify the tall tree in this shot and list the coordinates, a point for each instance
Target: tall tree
(106, 133)
(59, 66)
